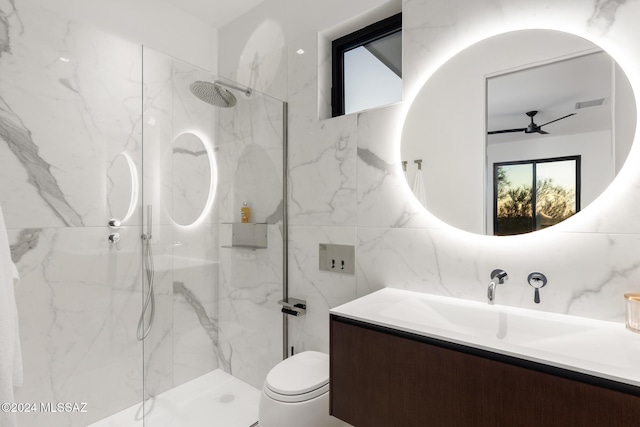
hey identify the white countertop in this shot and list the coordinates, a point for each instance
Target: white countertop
(599, 348)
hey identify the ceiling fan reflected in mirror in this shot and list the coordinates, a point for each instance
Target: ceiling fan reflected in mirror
(532, 128)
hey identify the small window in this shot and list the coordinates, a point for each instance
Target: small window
(551, 185)
(367, 67)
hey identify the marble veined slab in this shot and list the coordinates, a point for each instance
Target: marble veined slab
(594, 347)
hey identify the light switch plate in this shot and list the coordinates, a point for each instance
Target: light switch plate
(337, 258)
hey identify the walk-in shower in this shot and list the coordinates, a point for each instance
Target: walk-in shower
(158, 320)
(217, 328)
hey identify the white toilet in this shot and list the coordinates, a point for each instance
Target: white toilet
(296, 393)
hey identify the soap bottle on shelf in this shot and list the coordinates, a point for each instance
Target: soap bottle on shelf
(245, 212)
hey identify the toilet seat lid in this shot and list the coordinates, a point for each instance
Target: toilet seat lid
(299, 374)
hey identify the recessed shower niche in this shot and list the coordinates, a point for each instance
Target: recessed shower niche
(257, 181)
(192, 180)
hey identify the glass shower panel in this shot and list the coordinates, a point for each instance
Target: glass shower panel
(216, 328)
(178, 197)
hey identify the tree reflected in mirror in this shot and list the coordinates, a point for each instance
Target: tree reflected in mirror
(551, 185)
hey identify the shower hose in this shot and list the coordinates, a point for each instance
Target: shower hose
(150, 300)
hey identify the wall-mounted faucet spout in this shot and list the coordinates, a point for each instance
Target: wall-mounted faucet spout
(498, 277)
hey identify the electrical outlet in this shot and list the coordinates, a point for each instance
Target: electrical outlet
(337, 258)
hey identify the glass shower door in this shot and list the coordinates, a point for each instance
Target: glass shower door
(216, 328)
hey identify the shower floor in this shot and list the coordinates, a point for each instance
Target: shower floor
(214, 399)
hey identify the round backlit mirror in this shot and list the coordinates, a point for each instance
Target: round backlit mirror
(518, 132)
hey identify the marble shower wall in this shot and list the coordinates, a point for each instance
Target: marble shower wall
(250, 167)
(346, 184)
(69, 120)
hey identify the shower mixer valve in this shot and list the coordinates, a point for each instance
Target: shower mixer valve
(115, 238)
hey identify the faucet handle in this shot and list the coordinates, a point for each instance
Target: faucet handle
(537, 281)
(500, 275)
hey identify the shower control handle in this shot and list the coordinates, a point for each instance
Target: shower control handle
(115, 238)
(537, 281)
(114, 224)
(293, 306)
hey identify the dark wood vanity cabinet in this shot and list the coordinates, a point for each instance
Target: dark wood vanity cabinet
(382, 377)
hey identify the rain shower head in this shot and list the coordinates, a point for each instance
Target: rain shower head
(214, 94)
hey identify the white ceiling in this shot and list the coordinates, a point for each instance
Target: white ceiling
(217, 13)
(553, 91)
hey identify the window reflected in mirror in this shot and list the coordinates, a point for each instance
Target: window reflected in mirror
(551, 185)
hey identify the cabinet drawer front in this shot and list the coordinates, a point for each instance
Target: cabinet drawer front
(380, 379)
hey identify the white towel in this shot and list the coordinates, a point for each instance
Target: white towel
(10, 352)
(418, 188)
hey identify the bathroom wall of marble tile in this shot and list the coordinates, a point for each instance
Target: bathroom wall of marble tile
(346, 180)
(69, 106)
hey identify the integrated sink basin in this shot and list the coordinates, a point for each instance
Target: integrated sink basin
(479, 320)
(598, 348)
